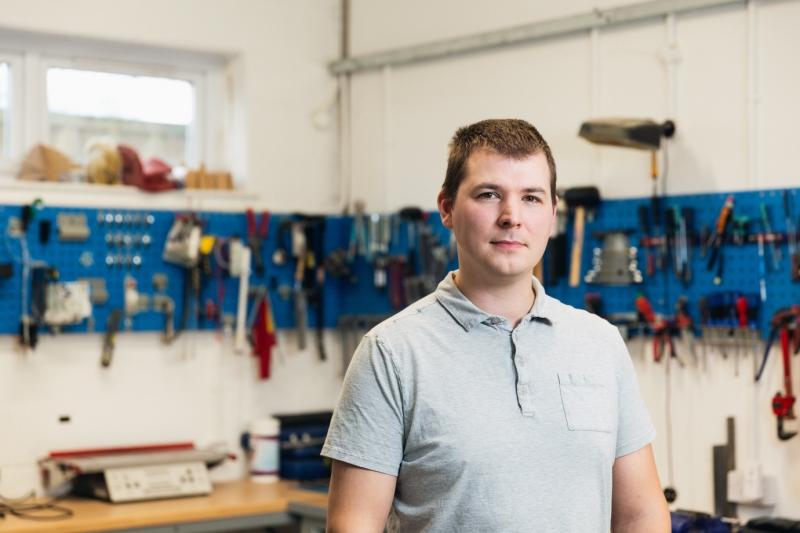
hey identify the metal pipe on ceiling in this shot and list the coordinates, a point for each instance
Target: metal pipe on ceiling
(597, 18)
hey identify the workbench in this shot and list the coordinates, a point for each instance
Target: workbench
(232, 506)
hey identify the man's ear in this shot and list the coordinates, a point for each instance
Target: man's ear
(445, 210)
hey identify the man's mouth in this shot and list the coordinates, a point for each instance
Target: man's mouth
(508, 244)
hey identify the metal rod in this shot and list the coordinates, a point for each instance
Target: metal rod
(597, 18)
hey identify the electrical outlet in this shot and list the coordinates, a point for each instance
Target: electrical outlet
(749, 486)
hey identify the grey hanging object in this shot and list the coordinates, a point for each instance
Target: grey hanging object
(616, 262)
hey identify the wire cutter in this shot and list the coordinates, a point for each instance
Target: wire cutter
(256, 234)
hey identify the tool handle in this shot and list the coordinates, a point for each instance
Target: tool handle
(644, 221)
(787, 362)
(741, 311)
(724, 215)
(645, 309)
(556, 259)
(241, 304)
(577, 247)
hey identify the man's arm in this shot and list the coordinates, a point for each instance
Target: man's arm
(637, 503)
(359, 500)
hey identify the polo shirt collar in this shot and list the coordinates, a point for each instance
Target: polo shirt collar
(468, 315)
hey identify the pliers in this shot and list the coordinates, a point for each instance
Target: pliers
(256, 234)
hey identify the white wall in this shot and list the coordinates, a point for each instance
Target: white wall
(404, 116)
(402, 120)
(198, 390)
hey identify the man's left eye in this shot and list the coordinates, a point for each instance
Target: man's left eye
(531, 198)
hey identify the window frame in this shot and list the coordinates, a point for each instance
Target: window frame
(14, 142)
(195, 132)
(30, 54)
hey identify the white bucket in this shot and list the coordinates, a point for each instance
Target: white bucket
(264, 441)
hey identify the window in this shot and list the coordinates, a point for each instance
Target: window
(67, 91)
(154, 115)
(5, 115)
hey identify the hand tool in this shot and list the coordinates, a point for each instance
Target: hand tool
(762, 282)
(775, 252)
(662, 330)
(580, 199)
(380, 274)
(314, 281)
(659, 235)
(300, 253)
(261, 325)
(337, 266)
(413, 218)
(740, 330)
(740, 229)
(109, 341)
(164, 304)
(671, 215)
(256, 234)
(555, 258)
(781, 319)
(705, 240)
(241, 306)
(791, 238)
(687, 228)
(685, 324)
(705, 329)
(358, 233)
(783, 404)
(397, 271)
(644, 240)
(680, 259)
(284, 245)
(593, 302)
(719, 236)
(379, 234)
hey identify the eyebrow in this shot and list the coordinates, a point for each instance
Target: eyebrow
(495, 187)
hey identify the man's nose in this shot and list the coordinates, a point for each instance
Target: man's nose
(509, 214)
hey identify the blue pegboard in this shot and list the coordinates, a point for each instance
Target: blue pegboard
(741, 267)
(741, 271)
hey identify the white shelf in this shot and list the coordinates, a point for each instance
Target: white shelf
(124, 196)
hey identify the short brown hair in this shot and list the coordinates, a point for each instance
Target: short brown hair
(509, 137)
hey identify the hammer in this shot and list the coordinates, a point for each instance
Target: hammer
(580, 199)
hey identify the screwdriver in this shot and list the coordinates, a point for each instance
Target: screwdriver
(774, 251)
(791, 238)
(719, 235)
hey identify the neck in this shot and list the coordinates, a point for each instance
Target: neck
(509, 298)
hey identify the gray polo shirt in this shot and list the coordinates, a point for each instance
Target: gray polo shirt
(490, 427)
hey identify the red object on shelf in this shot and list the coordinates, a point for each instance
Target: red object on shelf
(118, 450)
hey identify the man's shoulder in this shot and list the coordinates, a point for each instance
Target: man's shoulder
(564, 315)
(418, 315)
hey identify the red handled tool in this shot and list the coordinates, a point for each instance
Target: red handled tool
(783, 404)
(264, 338)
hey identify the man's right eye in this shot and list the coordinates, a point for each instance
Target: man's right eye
(486, 195)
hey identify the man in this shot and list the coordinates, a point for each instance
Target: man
(487, 405)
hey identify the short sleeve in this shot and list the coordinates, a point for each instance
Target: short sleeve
(635, 428)
(367, 425)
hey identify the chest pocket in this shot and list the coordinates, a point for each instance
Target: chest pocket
(588, 404)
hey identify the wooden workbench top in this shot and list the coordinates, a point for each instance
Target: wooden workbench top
(236, 498)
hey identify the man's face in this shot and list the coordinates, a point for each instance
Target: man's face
(501, 217)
